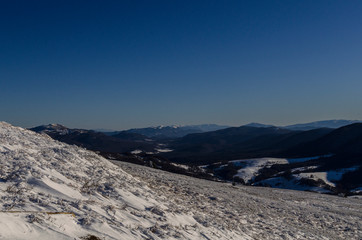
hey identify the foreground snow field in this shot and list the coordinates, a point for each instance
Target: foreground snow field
(51, 190)
(259, 213)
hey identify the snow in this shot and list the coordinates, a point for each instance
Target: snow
(336, 175)
(51, 190)
(250, 169)
(315, 176)
(293, 183)
(72, 192)
(252, 166)
(163, 150)
(180, 166)
(258, 212)
(307, 168)
(137, 151)
(61, 190)
(329, 177)
(357, 190)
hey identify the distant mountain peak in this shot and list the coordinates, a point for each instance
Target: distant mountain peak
(175, 131)
(259, 125)
(53, 127)
(335, 123)
(163, 126)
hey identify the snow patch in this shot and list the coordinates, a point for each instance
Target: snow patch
(137, 151)
(252, 166)
(163, 150)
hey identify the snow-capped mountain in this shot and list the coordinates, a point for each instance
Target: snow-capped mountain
(51, 190)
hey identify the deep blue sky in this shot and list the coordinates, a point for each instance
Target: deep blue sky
(123, 64)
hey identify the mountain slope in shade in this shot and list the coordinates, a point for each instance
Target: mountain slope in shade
(321, 124)
(97, 141)
(130, 136)
(166, 132)
(346, 140)
(208, 127)
(52, 128)
(260, 125)
(309, 126)
(238, 143)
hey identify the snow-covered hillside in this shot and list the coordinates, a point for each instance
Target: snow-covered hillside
(287, 173)
(51, 190)
(258, 212)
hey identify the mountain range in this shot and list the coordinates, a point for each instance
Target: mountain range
(322, 124)
(97, 141)
(309, 125)
(53, 190)
(327, 149)
(168, 132)
(240, 142)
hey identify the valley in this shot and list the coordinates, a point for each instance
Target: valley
(318, 159)
(50, 189)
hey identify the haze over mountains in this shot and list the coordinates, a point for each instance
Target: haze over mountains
(309, 125)
(321, 124)
(165, 132)
(180, 131)
(175, 131)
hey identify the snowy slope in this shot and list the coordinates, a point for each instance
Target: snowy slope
(258, 212)
(252, 166)
(325, 180)
(51, 190)
(305, 178)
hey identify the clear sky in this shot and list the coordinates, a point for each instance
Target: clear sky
(125, 64)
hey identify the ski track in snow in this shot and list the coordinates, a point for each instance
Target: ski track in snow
(51, 190)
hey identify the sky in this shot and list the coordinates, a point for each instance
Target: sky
(129, 64)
